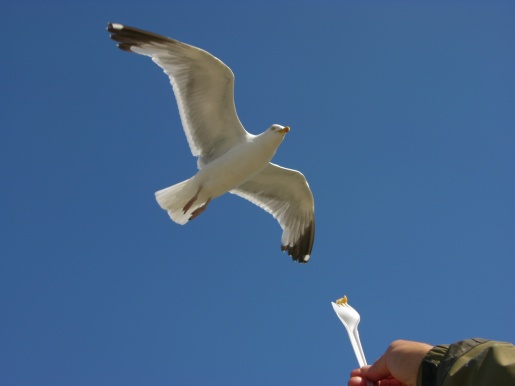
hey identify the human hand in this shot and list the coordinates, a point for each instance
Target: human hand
(398, 366)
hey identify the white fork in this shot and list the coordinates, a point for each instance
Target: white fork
(350, 319)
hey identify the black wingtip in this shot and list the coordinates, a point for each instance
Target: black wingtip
(301, 251)
(124, 46)
(130, 36)
(115, 29)
(111, 27)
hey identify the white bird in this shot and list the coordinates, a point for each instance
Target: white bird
(229, 158)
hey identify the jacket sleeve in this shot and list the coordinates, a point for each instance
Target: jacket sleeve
(472, 362)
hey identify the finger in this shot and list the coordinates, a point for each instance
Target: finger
(355, 373)
(357, 381)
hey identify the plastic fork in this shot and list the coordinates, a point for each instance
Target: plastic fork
(350, 319)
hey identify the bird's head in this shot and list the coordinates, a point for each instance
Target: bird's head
(274, 135)
(279, 129)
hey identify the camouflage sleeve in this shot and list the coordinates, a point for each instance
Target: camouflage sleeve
(472, 362)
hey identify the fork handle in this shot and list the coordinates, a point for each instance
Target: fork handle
(358, 351)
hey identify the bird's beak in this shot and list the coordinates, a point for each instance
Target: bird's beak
(284, 130)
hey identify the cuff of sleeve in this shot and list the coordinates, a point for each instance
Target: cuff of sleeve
(428, 370)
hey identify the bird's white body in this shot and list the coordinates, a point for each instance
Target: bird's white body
(238, 164)
(223, 174)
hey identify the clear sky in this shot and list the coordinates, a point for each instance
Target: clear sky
(403, 122)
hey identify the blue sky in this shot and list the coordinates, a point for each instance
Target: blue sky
(403, 122)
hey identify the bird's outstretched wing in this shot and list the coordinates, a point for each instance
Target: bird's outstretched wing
(203, 86)
(285, 194)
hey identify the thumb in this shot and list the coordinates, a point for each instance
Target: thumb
(379, 370)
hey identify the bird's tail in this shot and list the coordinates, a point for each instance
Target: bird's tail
(174, 198)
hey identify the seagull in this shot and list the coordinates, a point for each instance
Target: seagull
(229, 158)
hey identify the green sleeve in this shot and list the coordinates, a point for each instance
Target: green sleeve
(472, 362)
